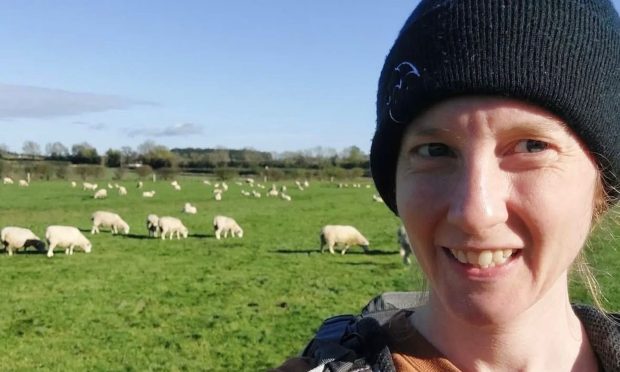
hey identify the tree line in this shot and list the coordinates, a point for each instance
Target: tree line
(150, 157)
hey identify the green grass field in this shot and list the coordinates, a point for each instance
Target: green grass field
(137, 303)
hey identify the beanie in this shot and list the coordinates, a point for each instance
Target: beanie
(561, 55)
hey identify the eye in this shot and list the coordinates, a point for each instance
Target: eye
(530, 145)
(433, 150)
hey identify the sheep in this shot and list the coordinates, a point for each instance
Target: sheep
(73, 184)
(152, 225)
(342, 234)
(189, 209)
(14, 238)
(23, 183)
(108, 219)
(122, 190)
(101, 194)
(224, 186)
(218, 196)
(285, 197)
(377, 198)
(177, 187)
(223, 224)
(7, 181)
(89, 186)
(404, 244)
(272, 192)
(68, 237)
(140, 184)
(170, 225)
(306, 183)
(283, 188)
(207, 182)
(148, 194)
(110, 186)
(245, 193)
(256, 194)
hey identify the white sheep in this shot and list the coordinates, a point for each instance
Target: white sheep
(7, 181)
(122, 190)
(377, 198)
(110, 186)
(218, 196)
(224, 225)
(207, 182)
(272, 192)
(108, 219)
(89, 186)
(285, 197)
(67, 237)
(342, 235)
(177, 187)
(404, 245)
(152, 224)
(101, 194)
(23, 183)
(73, 184)
(224, 186)
(170, 225)
(140, 184)
(189, 209)
(148, 194)
(14, 238)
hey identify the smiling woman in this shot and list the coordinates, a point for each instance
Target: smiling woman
(498, 146)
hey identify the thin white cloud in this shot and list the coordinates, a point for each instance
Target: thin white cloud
(22, 101)
(180, 129)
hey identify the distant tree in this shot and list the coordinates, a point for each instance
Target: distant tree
(128, 155)
(113, 158)
(84, 153)
(56, 150)
(146, 147)
(4, 149)
(31, 148)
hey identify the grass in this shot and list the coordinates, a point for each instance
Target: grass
(137, 303)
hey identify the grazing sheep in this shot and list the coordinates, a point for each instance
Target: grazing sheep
(405, 245)
(152, 225)
(148, 194)
(140, 184)
(177, 187)
(101, 194)
(7, 181)
(206, 182)
(218, 196)
(285, 197)
(377, 198)
(108, 219)
(189, 209)
(224, 186)
(110, 186)
(224, 225)
(89, 186)
(245, 193)
(256, 194)
(14, 238)
(23, 183)
(344, 235)
(170, 225)
(272, 192)
(306, 183)
(73, 184)
(283, 188)
(122, 190)
(67, 237)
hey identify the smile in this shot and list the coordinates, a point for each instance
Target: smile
(483, 259)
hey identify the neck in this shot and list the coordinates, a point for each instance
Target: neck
(547, 336)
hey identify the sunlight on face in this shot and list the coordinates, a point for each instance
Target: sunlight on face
(496, 196)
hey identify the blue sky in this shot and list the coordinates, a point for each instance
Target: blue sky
(273, 75)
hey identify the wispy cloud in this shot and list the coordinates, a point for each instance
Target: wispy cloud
(92, 126)
(180, 129)
(22, 101)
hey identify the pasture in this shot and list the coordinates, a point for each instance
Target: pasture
(138, 303)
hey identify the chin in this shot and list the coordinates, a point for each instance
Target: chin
(483, 310)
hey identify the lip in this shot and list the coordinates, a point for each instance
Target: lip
(476, 273)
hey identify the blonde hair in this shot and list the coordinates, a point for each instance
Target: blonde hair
(601, 206)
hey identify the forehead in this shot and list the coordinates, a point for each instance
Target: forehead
(496, 114)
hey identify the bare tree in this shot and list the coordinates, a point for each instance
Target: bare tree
(56, 150)
(31, 148)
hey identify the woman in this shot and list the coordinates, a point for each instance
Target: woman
(498, 146)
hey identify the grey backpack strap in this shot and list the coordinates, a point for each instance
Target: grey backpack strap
(357, 343)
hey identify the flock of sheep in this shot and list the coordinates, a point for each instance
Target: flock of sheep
(70, 237)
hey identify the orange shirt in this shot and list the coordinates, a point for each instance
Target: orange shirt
(410, 350)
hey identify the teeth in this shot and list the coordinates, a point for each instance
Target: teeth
(483, 259)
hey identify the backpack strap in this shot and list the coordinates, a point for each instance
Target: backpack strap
(357, 342)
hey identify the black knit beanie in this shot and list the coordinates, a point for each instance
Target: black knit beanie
(562, 55)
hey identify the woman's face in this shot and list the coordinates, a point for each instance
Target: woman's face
(497, 197)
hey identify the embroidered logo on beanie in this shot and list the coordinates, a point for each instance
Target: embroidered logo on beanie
(403, 79)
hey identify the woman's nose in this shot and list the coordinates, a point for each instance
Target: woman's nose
(479, 196)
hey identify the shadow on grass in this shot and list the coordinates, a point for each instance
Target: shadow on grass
(374, 252)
